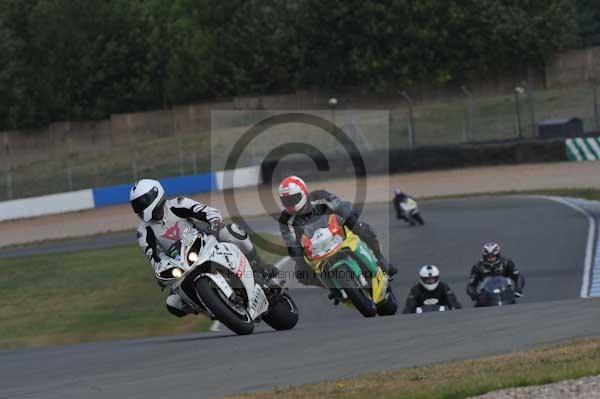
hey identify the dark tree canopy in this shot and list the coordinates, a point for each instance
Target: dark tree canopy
(86, 59)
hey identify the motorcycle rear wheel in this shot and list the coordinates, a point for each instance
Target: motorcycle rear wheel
(221, 310)
(389, 307)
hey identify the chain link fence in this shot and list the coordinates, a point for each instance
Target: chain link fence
(75, 156)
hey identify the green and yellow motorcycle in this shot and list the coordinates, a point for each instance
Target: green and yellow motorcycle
(347, 267)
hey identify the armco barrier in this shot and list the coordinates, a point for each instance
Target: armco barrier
(424, 158)
(174, 186)
(242, 177)
(116, 195)
(46, 205)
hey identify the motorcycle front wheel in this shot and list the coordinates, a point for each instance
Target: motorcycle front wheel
(283, 314)
(236, 318)
(357, 294)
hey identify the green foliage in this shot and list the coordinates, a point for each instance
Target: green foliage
(588, 19)
(80, 59)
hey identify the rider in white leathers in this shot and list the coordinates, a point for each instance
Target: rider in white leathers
(164, 220)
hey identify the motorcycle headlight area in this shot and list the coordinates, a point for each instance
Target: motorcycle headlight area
(192, 257)
(195, 248)
(176, 272)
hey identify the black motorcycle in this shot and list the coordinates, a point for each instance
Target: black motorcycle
(431, 305)
(496, 291)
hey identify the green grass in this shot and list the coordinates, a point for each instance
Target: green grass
(458, 380)
(584, 193)
(85, 296)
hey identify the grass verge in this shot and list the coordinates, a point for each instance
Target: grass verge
(85, 296)
(457, 380)
(585, 193)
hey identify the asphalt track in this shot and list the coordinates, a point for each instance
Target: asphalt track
(547, 240)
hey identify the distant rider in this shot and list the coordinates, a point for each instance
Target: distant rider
(492, 264)
(164, 220)
(430, 289)
(400, 198)
(303, 207)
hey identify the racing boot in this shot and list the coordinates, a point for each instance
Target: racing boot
(386, 266)
(177, 307)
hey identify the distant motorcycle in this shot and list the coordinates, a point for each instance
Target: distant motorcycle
(496, 291)
(215, 278)
(409, 211)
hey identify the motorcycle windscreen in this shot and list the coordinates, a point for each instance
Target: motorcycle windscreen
(322, 237)
(496, 291)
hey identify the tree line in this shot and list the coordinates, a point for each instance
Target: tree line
(86, 59)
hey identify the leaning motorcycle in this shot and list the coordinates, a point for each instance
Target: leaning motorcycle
(410, 212)
(496, 291)
(347, 267)
(216, 279)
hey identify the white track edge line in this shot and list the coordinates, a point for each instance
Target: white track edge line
(587, 271)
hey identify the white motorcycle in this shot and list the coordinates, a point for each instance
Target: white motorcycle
(215, 278)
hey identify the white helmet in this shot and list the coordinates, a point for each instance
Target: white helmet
(429, 277)
(145, 197)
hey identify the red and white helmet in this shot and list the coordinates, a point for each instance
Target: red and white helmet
(293, 193)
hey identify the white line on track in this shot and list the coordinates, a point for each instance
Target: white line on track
(591, 240)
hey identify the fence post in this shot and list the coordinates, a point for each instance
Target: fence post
(469, 130)
(529, 93)
(194, 163)
(179, 143)
(69, 168)
(596, 110)
(518, 90)
(333, 102)
(411, 121)
(8, 168)
(133, 152)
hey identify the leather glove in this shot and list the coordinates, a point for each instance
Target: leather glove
(214, 226)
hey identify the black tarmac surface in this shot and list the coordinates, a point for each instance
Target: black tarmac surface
(547, 241)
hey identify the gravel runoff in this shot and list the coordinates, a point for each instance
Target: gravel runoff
(584, 388)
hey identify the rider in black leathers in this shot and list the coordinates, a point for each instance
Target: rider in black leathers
(493, 264)
(430, 287)
(443, 293)
(313, 205)
(399, 197)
